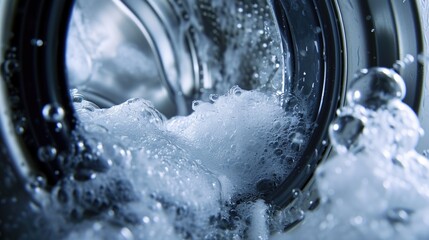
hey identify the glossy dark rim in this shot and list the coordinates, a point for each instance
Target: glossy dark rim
(316, 75)
(34, 74)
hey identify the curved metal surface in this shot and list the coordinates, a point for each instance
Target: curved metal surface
(352, 35)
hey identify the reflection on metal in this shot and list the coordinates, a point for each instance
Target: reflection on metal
(170, 61)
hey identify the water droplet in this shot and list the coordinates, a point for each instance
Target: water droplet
(423, 58)
(399, 65)
(146, 219)
(53, 113)
(375, 87)
(47, 153)
(41, 181)
(20, 125)
(127, 234)
(296, 193)
(408, 59)
(84, 175)
(37, 42)
(297, 213)
(10, 66)
(58, 127)
(344, 132)
(399, 215)
(317, 30)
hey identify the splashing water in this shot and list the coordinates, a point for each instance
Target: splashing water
(376, 187)
(148, 177)
(135, 173)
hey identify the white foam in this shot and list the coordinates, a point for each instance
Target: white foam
(376, 187)
(232, 138)
(187, 165)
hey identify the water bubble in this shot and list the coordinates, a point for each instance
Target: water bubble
(76, 96)
(408, 59)
(344, 132)
(84, 175)
(214, 97)
(399, 215)
(236, 90)
(58, 127)
(297, 213)
(423, 58)
(53, 113)
(10, 66)
(401, 64)
(406, 125)
(196, 104)
(37, 42)
(375, 87)
(38, 182)
(296, 193)
(278, 152)
(127, 234)
(265, 186)
(47, 153)
(20, 125)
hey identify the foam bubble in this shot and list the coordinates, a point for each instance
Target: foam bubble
(379, 190)
(133, 166)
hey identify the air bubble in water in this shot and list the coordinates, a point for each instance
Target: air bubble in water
(406, 125)
(53, 113)
(84, 174)
(214, 97)
(20, 126)
(76, 96)
(399, 215)
(47, 153)
(402, 64)
(10, 66)
(196, 104)
(423, 58)
(58, 127)
(37, 42)
(236, 90)
(375, 87)
(345, 131)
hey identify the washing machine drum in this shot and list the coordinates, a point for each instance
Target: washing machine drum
(318, 47)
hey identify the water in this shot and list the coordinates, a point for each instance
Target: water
(376, 186)
(139, 175)
(139, 171)
(136, 175)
